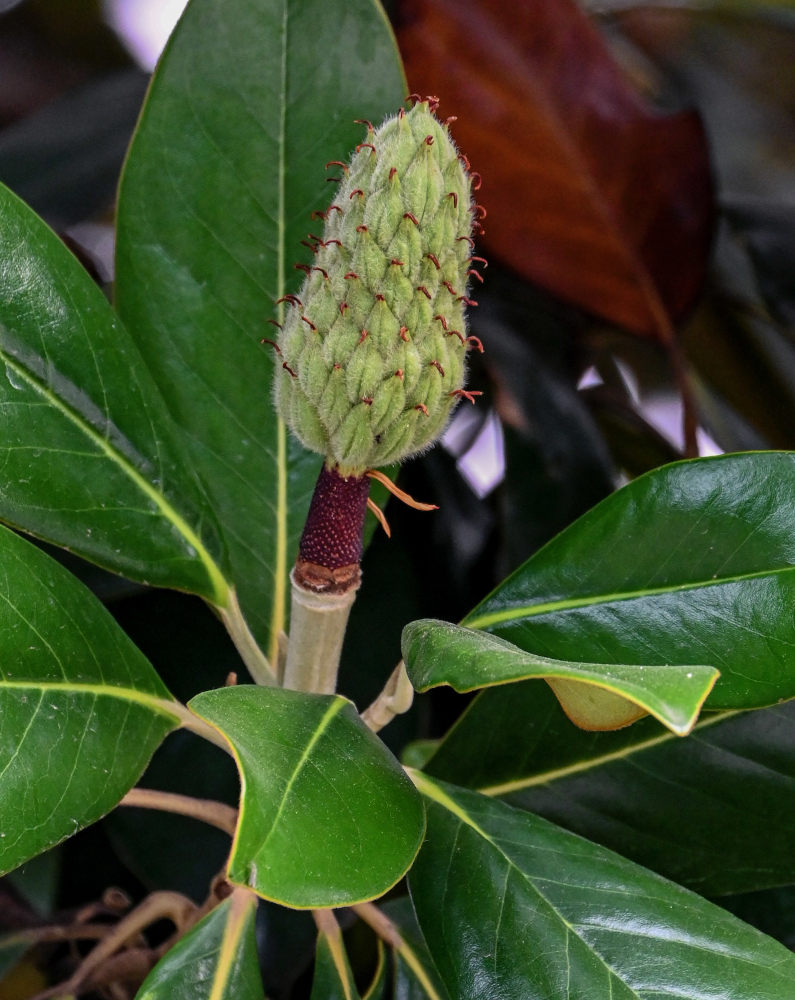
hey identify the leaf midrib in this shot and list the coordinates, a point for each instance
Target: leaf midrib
(237, 918)
(159, 705)
(330, 714)
(516, 613)
(582, 766)
(279, 609)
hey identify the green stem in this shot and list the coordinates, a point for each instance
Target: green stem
(255, 660)
(191, 721)
(317, 631)
(395, 699)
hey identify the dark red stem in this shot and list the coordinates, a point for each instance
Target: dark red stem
(331, 546)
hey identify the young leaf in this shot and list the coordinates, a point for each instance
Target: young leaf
(327, 816)
(90, 454)
(81, 709)
(250, 100)
(440, 653)
(217, 960)
(512, 906)
(694, 562)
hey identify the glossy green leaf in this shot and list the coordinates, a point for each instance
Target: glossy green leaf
(514, 907)
(81, 709)
(217, 960)
(91, 459)
(415, 975)
(714, 811)
(333, 979)
(251, 99)
(327, 815)
(771, 911)
(440, 653)
(694, 562)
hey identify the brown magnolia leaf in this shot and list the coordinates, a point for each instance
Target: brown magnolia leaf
(590, 193)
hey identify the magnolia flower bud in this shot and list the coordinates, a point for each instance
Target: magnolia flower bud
(373, 347)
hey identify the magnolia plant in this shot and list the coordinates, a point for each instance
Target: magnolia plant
(523, 854)
(372, 355)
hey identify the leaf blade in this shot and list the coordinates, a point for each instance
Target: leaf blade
(260, 95)
(679, 807)
(333, 979)
(440, 653)
(625, 930)
(327, 817)
(693, 558)
(90, 456)
(216, 960)
(77, 695)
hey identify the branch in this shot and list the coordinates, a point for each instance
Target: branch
(380, 923)
(189, 720)
(389, 933)
(169, 905)
(253, 657)
(217, 814)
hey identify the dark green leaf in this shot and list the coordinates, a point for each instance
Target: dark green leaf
(694, 562)
(81, 709)
(250, 100)
(90, 455)
(634, 443)
(64, 159)
(333, 979)
(440, 653)
(769, 231)
(513, 734)
(713, 811)
(415, 975)
(327, 815)
(772, 911)
(378, 985)
(38, 880)
(514, 907)
(217, 960)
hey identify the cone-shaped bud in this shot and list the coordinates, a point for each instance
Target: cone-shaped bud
(374, 346)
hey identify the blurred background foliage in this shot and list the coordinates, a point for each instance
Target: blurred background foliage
(638, 171)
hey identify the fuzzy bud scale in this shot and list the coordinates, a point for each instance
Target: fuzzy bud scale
(374, 346)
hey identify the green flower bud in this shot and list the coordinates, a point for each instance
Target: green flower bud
(374, 346)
